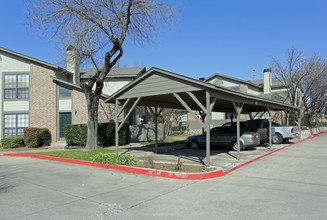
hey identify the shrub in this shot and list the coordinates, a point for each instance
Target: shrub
(45, 137)
(12, 142)
(179, 128)
(37, 137)
(114, 159)
(106, 133)
(323, 124)
(31, 137)
(76, 134)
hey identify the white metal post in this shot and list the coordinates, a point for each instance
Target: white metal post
(116, 126)
(156, 129)
(207, 128)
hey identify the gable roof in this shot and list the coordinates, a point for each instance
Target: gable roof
(34, 60)
(121, 72)
(276, 82)
(158, 87)
(280, 96)
(231, 78)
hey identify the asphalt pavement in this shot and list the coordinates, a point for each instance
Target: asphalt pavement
(289, 184)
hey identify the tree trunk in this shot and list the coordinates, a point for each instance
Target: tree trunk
(299, 121)
(92, 101)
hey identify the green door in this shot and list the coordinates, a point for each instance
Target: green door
(64, 119)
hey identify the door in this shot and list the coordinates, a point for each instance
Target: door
(64, 119)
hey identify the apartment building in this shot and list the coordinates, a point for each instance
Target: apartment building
(35, 93)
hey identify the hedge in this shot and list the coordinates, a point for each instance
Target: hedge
(12, 142)
(37, 137)
(76, 134)
(113, 159)
(179, 128)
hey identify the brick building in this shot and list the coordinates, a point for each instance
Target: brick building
(35, 93)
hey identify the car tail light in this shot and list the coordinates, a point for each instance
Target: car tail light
(292, 130)
(252, 137)
(267, 132)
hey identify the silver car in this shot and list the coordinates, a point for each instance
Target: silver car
(224, 137)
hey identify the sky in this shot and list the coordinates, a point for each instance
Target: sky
(231, 37)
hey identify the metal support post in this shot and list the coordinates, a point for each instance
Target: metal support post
(116, 126)
(207, 128)
(238, 109)
(156, 130)
(270, 129)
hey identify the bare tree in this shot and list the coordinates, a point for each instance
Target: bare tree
(170, 117)
(314, 86)
(98, 30)
(305, 80)
(289, 74)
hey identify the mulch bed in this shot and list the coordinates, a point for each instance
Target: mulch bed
(174, 167)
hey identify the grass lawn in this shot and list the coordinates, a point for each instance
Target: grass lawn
(89, 156)
(76, 154)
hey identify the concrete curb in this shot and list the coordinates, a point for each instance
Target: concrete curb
(152, 172)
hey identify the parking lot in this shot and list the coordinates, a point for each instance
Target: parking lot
(289, 184)
(221, 159)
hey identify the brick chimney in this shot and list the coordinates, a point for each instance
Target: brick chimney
(73, 63)
(267, 81)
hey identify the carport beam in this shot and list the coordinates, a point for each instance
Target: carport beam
(156, 115)
(238, 109)
(189, 109)
(156, 130)
(207, 128)
(270, 109)
(116, 126)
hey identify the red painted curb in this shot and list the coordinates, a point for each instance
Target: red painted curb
(151, 172)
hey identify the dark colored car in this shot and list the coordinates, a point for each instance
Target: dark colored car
(224, 137)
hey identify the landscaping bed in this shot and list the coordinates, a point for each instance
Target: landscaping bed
(104, 155)
(174, 167)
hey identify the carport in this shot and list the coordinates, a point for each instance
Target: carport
(159, 89)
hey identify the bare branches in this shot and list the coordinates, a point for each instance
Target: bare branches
(98, 29)
(94, 26)
(306, 80)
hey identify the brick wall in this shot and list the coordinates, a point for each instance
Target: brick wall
(43, 102)
(79, 109)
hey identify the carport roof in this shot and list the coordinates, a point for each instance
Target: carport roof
(157, 87)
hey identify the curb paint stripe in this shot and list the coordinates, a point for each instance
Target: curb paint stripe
(152, 172)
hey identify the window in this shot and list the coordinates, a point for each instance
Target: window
(65, 92)
(16, 86)
(265, 124)
(14, 124)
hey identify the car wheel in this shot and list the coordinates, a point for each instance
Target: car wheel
(234, 146)
(195, 145)
(277, 139)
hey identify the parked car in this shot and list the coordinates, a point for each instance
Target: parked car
(280, 133)
(224, 137)
(284, 133)
(261, 127)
